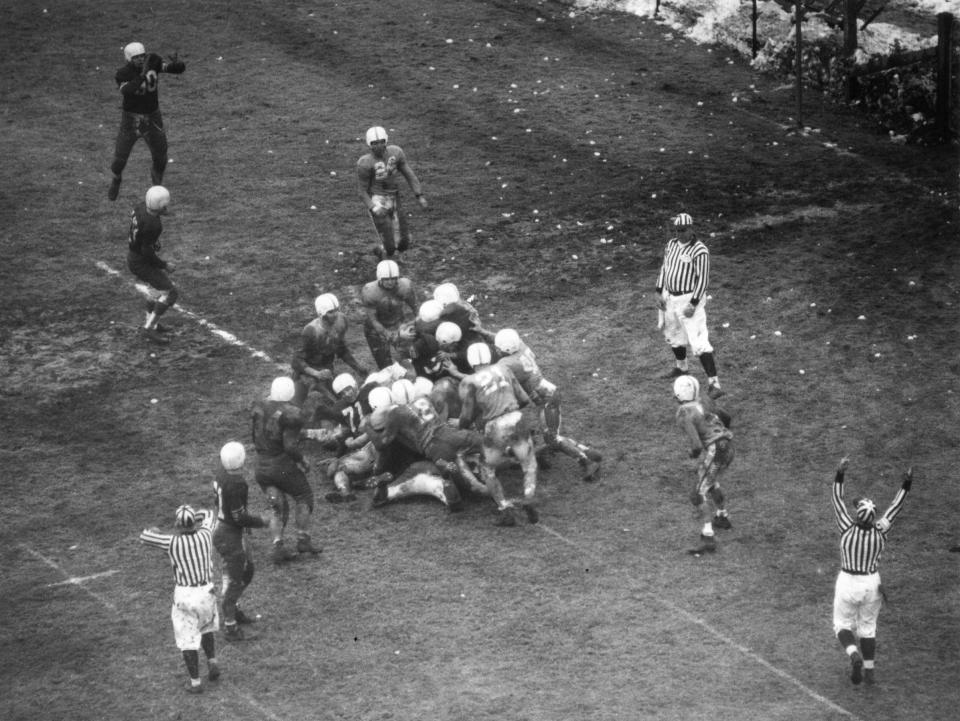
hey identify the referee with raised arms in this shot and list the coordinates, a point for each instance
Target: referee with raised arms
(681, 300)
(194, 612)
(858, 596)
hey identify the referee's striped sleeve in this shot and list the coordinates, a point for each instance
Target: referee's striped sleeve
(701, 272)
(895, 507)
(844, 521)
(155, 538)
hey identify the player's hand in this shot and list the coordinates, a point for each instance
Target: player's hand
(378, 210)
(324, 374)
(423, 201)
(908, 479)
(171, 268)
(688, 310)
(695, 452)
(304, 466)
(842, 466)
(174, 58)
(661, 303)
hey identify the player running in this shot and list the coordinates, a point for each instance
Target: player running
(521, 361)
(706, 427)
(384, 300)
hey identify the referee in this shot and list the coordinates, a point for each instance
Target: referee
(681, 297)
(194, 612)
(858, 596)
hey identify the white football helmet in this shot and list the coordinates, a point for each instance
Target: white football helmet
(686, 388)
(157, 198)
(422, 387)
(387, 269)
(185, 517)
(683, 220)
(326, 303)
(282, 389)
(376, 133)
(430, 311)
(448, 333)
(132, 50)
(478, 354)
(380, 398)
(446, 293)
(342, 382)
(507, 341)
(232, 456)
(403, 392)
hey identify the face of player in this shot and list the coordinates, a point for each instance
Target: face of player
(329, 317)
(378, 148)
(138, 61)
(348, 394)
(389, 283)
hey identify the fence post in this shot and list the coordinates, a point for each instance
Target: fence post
(799, 64)
(944, 72)
(850, 45)
(754, 17)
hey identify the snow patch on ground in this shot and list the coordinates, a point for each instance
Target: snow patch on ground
(728, 22)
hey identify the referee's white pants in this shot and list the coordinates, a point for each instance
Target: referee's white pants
(856, 604)
(681, 331)
(194, 613)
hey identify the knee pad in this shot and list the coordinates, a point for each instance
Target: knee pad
(717, 496)
(306, 499)
(168, 299)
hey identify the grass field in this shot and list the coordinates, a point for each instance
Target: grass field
(554, 147)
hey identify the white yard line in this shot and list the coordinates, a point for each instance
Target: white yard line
(223, 335)
(726, 640)
(73, 580)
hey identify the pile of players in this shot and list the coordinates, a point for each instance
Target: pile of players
(442, 415)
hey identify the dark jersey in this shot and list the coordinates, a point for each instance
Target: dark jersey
(145, 229)
(231, 490)
(276, 429)
(140, 89)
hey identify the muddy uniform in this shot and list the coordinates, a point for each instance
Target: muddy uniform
(380, 177)
(464, 315)
(385, 315)
(229, 539)
(144, 244)
(276, 431)
(141, 114)
(321, 343)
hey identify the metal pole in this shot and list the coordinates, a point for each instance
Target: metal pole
(944, 72)
(799, 53)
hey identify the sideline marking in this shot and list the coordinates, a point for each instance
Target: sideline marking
(753, 656)
(70, 579)
(225, 336)
(77, 580)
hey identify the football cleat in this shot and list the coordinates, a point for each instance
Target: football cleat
(722, 522)
(505, 518)
(153, 336)
(281, 554)
(715, 391)
(305, 545)
(533, 515)
(114, 190)
(194, 688)
(213, 672)
(708, 544)
(588, 470)
(243, 618)
(856, 668)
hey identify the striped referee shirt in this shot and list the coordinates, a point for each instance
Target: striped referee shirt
(189, 551)
(861, 546)
(685, 269)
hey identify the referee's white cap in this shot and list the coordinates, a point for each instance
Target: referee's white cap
(185, 517)
(683, 220)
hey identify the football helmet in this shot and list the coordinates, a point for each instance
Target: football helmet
(422, 387)
(132, 50)
(387, 269)
(448, 333)
(326, 303)
(430, 311)
(282, 389)
(157, 198)
(376, 133)
(507, 341)
(446, 293)
(686, 388)
(380, 398)
(403, 392)
(478, 354)
(342, 382)
(232, 456)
